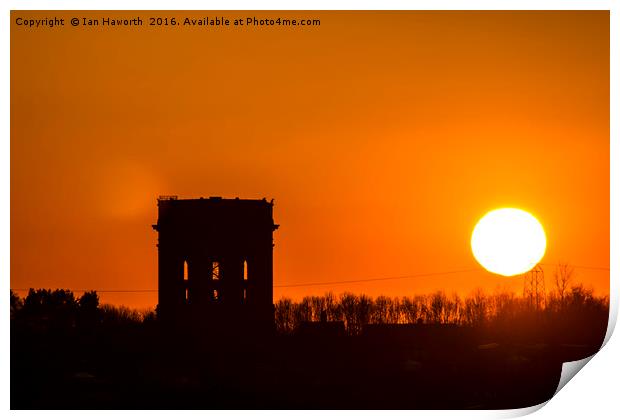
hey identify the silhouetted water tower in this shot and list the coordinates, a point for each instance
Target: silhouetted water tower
(215, 261)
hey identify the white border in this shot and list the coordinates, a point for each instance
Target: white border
(593, 394)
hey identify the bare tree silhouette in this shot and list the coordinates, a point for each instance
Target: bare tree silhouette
(562, 277)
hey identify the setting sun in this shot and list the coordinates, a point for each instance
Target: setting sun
(508, 241)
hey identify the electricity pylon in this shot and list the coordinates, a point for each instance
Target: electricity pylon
(534, 287)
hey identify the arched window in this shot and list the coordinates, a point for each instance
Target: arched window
(186, 279)
(215, 270)
(245, 280)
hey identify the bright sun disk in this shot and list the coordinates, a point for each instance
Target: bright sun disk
(508, 241)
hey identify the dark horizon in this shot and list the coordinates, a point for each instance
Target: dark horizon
(380, 156)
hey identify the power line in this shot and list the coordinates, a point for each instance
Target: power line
(98, 291)
(327, 283)
(438, 273)
(590, 268)
(581, 267)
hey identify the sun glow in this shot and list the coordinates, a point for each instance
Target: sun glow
(508, 241)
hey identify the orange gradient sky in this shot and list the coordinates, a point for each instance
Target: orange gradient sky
(382, 136)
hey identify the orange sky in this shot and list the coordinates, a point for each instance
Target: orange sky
(382, 136)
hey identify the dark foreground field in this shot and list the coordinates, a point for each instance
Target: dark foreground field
(387, 367)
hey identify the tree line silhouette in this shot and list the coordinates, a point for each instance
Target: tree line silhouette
(573, 305)
(60, 309)
(477, 309)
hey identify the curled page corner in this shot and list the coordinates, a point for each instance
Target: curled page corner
(570, 369)
(613, 318)
(520, 412)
